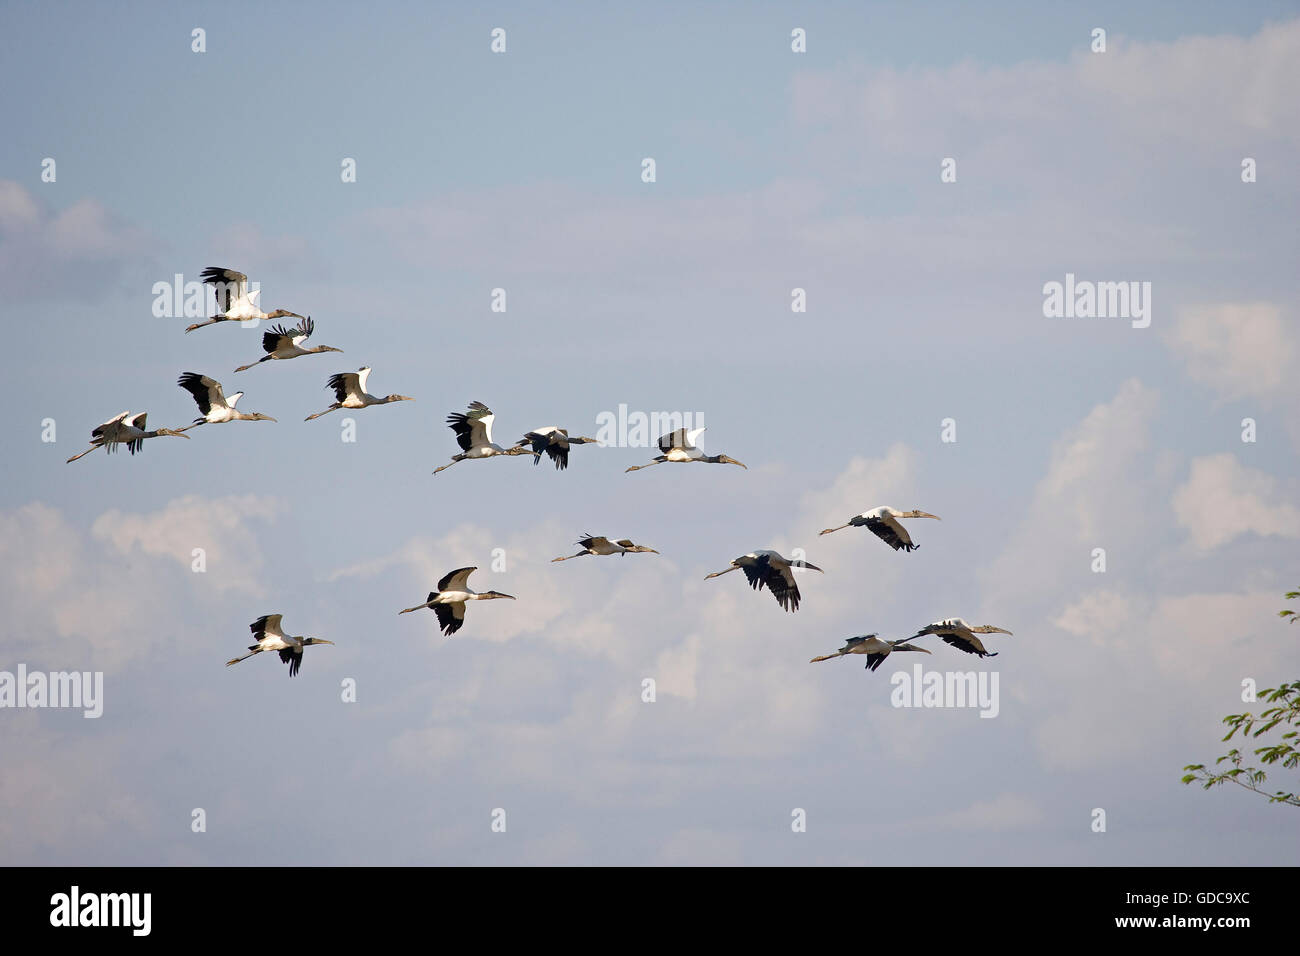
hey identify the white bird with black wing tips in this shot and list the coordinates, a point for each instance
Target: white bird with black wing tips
(125, 429)
(957, 633)
(871, 645)
(280, 343)
(214, 406)
(769, 568)
(553, 441)
(448, 602)
(474, 434)
(269, 637)
(680, 446)
(350, 392)
(883, 523)
(236, 302)
(592, 544)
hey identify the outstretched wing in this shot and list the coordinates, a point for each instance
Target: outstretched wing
(472, 428)
(343, 383)
(228, 284)
(551, 440)
(780, 581)
(304, 330)
(457, 580)
(682, 438)
(293, 657)
(105, 431)
(890, 532)
(206, 391)
(970, 644)
(450, 616)
(137, 421)
(277, 337)
(267, 624)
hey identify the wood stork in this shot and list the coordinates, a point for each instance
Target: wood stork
(282, 343)
(679, 445)
(875, 649)
(474, 434)
(770, 568)
(598, 545)
(883, 523)
(555, 442)
(269, 637)
(126, 429)
(235, 302)
(350, 392)
(214, 406)
(961, 635)
(448, 602)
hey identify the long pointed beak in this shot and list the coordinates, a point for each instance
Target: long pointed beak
(804, 565)
(923, 514)
(319, 641)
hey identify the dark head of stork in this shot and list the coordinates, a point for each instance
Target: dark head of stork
(805, 566)
(989, 629)
(628, 547)
(492, 595)
(724, 460)
(315, 640)
(398, 398)
(171, 432)
(919, 514)
(284, 314)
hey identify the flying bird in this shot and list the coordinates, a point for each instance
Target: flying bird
(474, 435)
(555, 442)
(235, 302)
(269, 637)
(214, 406)
(875, 649)
(598, 545)
(961, 635)
(680, 445)
(770, 568)
(282, 343)
(350, 392)
(448, 602)
(126, 429)
(883, 523)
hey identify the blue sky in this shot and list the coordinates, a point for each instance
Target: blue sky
(775, 170)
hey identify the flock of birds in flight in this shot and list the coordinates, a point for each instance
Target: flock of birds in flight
(473, 429)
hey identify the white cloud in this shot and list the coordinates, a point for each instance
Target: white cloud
(1091, 496)
(222, 527)
(81, 249)
(76, 603)
(1222, 499)
(1101, 617)
(1241, 350)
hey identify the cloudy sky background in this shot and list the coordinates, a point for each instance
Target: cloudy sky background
(775, 171)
